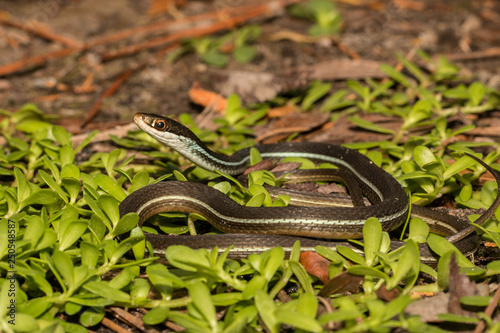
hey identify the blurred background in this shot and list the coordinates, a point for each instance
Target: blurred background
(96, 63)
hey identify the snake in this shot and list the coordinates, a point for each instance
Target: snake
(248, 230)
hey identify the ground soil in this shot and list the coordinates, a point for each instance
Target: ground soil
(374, 30)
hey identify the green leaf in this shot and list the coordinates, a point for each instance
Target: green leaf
(301, 274)
(258, 282)
(23, 188)
(298, 320)
(315, 92)
(350, 254)
(36, 306)
(61, 135)
(396, 306)
(123, 279)
(34, 230)
(423, 156)
(420, 111)
(71, 308)
(366, 270)
(274, 260)
(70, 327)
(156, 315)
(461, 164)
(72, 233)
(70, 171)
(163, 280)
(92, 316)
(110, 186)
(87, 140)
(186, 258)
(372, 236)
(408, 264)
(255, 190)
(67, 155)
(139, 290)
(424, 80)
(215, 59)
(395, 75)
(477, 91)
(32, 126)
(126, 223)
(441, 246)
(72, 186)
(139, 180)
(102, 289)
(257, 200)
(466, 192)
(266, 308)
(340, 315)
(53, 185)
(454, 318)
(200, 296)
(369, 125)
(179, 176)
(64, 266)
(255, 156)
(25, 323)
(40, 197)
(90, 254)
(482, 301)
(244, 53)
(48, 239)
(419, 230)
(125, 246)
(224, 187)
(109, 205)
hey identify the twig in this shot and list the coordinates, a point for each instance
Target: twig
(165, 40)
(130, 319)
(110, 91)
(35, 28)
(282, 131)
(169, 48)
(114, 326)
(247, 12)
(35, 61)
(492, 52)
(225, 23)
(183, 23)
(489, 311)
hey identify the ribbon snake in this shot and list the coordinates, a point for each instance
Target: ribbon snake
(256, 229)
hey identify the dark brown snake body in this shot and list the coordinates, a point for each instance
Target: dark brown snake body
(256, 229)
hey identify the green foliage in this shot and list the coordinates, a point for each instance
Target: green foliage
(216, 51)
(64, 215)
(325, 15)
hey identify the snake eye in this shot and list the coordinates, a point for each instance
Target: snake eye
(160, 125)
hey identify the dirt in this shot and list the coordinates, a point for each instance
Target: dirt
(373, 30)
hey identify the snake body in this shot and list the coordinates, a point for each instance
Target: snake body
(256, 229)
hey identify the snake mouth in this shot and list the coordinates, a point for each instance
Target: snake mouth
(142, 119)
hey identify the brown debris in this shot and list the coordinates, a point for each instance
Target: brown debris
(34, 27)
(291, 123)
(459, 286)
(28, 63)
(341, 283)
(207, 98)
(315, 265)
(110, 91)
